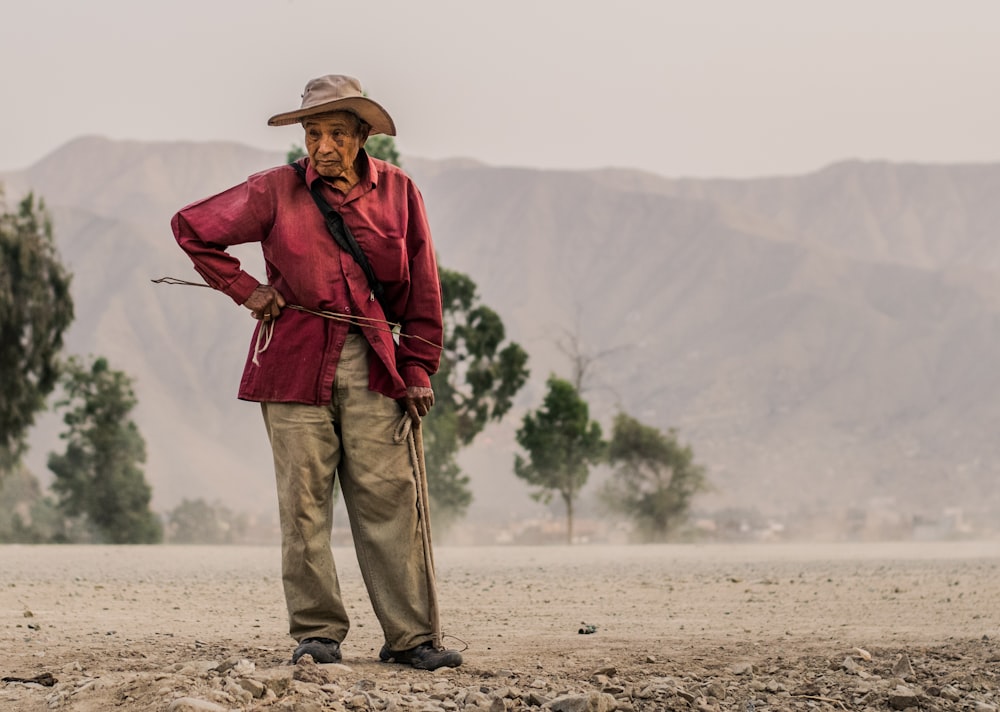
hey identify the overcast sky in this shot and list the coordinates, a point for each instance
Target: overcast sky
(697, 88)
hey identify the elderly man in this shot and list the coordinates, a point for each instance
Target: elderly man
(331, 379)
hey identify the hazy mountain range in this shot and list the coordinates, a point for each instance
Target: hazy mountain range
(820, 340)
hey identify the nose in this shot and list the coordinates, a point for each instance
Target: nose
(326, 144)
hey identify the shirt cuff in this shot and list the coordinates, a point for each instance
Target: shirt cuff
(240, 289)
(415, 376)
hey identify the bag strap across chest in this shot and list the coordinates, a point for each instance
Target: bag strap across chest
(341, 234)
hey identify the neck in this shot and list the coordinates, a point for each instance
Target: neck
(344, 182)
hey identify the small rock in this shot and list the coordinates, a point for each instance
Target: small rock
(277, 680)
(852, 666)
(537, 699)
(477, 699)
(704, 704)
(238, 692)
(741, 668)
(716, 690)
(903, 697)
(306, 670)
(685, 695)
(903, 668)
(651, 659)
(863, 654)
(608, 670)
(226, 665)
(594, 702)
(254, 687)
(951, 693)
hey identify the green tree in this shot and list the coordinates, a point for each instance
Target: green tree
(476, 382)
(98, 478)
(35, 310)
(655, 477)
(294, 153)
(562, 445)
(384, 147)
(198, 522)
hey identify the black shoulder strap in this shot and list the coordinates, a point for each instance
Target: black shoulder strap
(342, 236)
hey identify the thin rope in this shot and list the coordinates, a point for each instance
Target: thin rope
(264, 335)
(365, 322)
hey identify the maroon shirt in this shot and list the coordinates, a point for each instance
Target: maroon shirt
(385, 213)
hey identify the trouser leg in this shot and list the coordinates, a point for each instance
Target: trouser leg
(306, 449)
(376, 476)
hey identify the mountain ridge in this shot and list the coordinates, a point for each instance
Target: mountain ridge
(821, 340)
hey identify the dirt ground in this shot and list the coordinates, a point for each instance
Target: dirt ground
(713, 627)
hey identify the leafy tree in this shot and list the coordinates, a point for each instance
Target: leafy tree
(198, 522)
(384, 147)
(562, 445)
(475, 384)
(294, 153)
(35, 310)
(99, 477)
(655, 477)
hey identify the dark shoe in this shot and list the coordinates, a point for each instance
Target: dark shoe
(322, 650)
(423, 657)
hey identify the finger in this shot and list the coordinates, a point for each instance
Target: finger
(411, 408)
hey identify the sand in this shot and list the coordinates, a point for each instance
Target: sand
(743, 627)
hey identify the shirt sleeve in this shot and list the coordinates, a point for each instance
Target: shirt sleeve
(418, 358)
(204, 229)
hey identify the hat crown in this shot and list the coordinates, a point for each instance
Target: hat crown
(338, 92)
(331, 87)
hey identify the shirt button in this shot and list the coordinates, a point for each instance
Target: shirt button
(347, 310)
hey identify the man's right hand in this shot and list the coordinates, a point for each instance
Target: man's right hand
(265, 303)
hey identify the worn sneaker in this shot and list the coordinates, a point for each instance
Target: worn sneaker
(322, 650)
(423, 657)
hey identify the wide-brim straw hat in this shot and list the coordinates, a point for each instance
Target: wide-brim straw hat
(337, 92)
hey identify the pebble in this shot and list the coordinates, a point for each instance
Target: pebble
(594, 702)
(903, 668)
(901, 698)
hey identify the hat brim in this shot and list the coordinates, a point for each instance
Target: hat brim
(369, 111)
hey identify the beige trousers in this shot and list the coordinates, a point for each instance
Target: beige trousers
(352, 439)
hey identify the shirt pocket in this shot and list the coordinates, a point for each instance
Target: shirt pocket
(387, 256)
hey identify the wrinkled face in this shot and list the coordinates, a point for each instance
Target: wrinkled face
(332, 142)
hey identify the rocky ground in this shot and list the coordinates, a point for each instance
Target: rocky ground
(749, 628)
